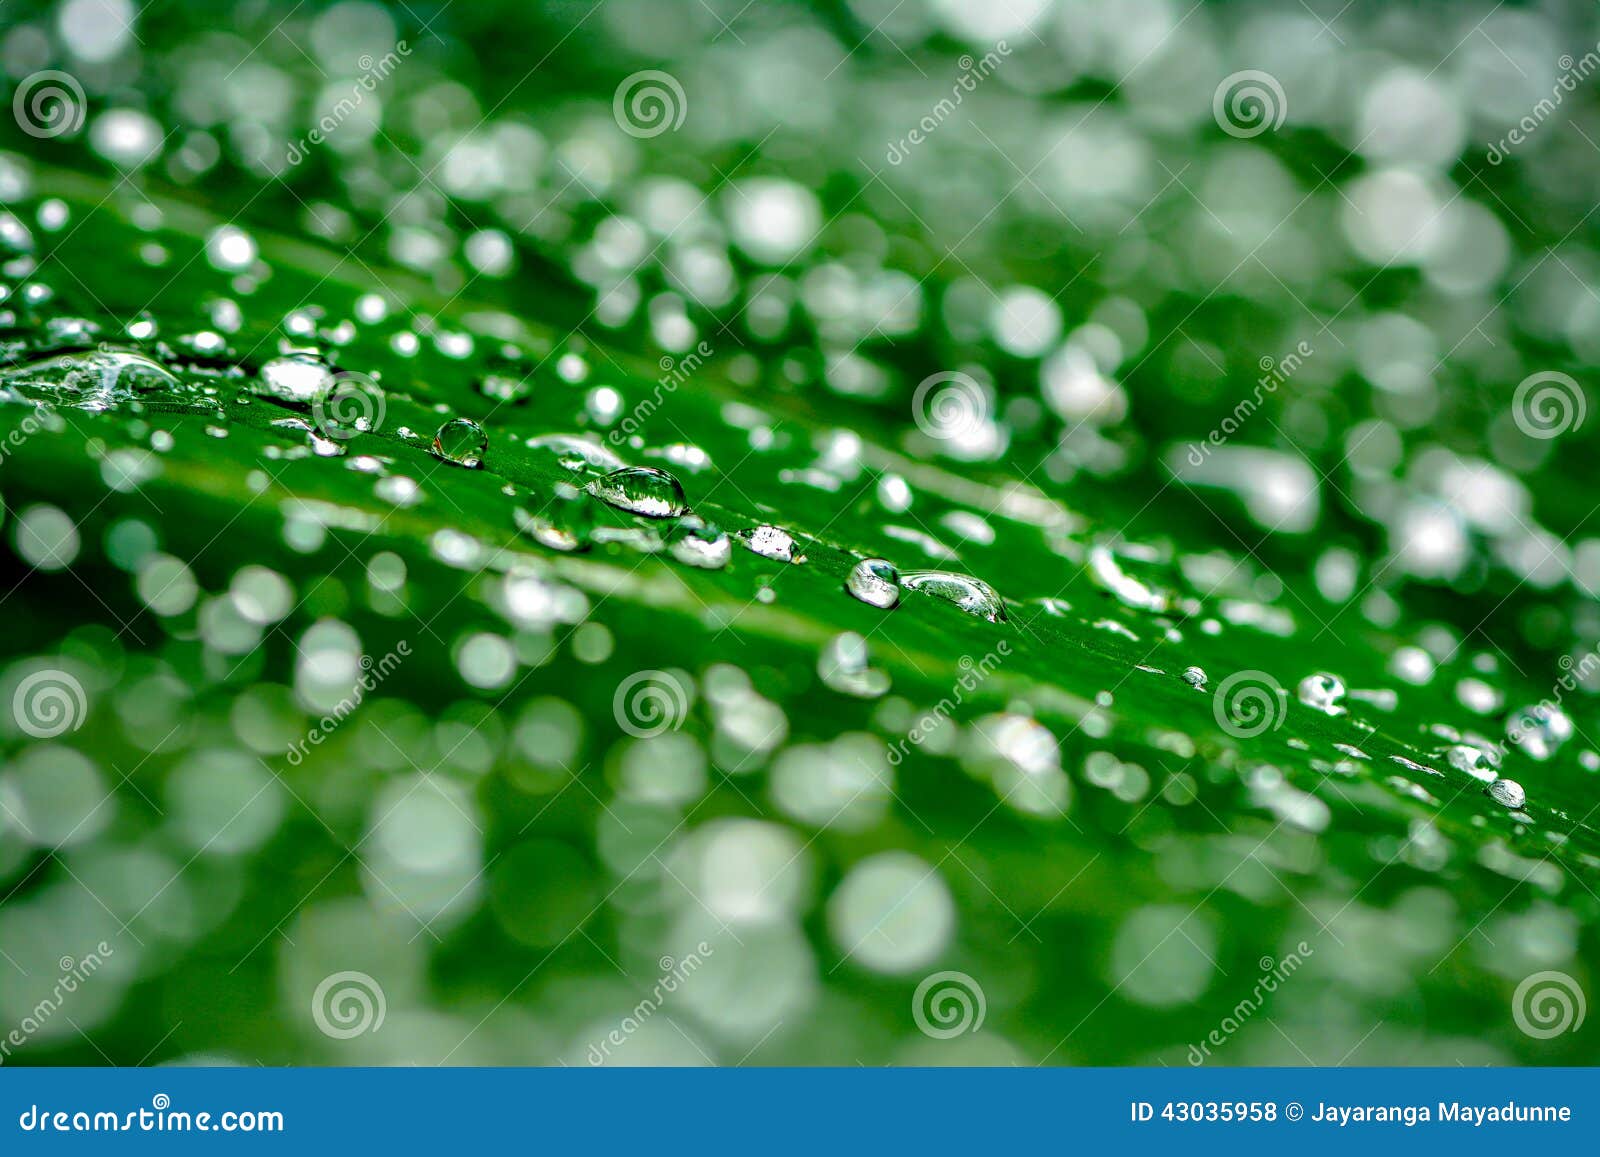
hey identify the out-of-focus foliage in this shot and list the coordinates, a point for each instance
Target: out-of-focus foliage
(1227, 365)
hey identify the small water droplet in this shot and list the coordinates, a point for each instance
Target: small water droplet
(875, 582)
(1322, 692)
(399, 490)
(843, 666)
(969, 594)
(696, 542)
(462, 441)
(504, 388)
(1195, 677)
(564, 524)
(769, 542)
(641, 490)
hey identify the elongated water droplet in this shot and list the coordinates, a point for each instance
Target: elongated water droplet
(969, 594)
(1322, 692)
(696, 542)
(875, 582)
(1508, 793)
(641, 490)
(577, 453)
(462, 441)
(769, 542)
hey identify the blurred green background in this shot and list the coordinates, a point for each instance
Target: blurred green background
(1240, 351)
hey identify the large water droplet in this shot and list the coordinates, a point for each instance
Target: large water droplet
(875, 582)
(969, 594)
(462, 441)
(696, 542)
(641, 490)
(1195, 677)
(769, 542)
(1322, 692)
(96, 380)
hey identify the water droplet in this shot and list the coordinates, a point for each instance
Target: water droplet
(1508, 793)
(577, 453)
(969, 594)
(297, 379)
(843, 666)
(399, 490)
(1480, 764)
(503, 388)
(641, 490)
(1540, 730)
(564, 524)
(875, 582)
(1195, 677)
(462, 441)
(1127, 590)
(696, 542)
(1322, 692)
(769, 542)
